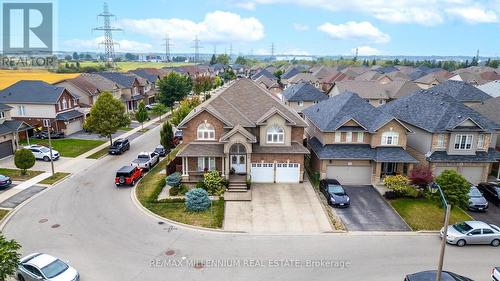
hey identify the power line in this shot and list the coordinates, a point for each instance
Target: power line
(167, 45)
(272, 51)
(197, 48)
(109, 44)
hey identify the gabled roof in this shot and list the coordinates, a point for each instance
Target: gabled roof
(84, 85)
(265, 73)
(377, 90)
(461, 91)
(242, 131)
(267, 82)
(244, 103)
(290, 73)
(489, 109)
(126, 81)
(31, 91)
(303, 91)
(146, 74)
(100, 82)
(491, 88)
(271, 112)
(331, 114)
(69, 115)
(303, 77)
(435, 112)
(323, 72)
(387, 69)
(12, 126)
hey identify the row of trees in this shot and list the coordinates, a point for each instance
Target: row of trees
(202, 84)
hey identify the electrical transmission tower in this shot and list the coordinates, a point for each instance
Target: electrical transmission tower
(272, 51)
(109, 44)
(167, 47)
(196, 48)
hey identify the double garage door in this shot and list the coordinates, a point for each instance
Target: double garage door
(279, 172)
(6, 148)
(350, 175)
(74, 126)
(472, 174)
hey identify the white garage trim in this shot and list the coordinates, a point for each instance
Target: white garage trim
(350, 174)
(262, 172)
(287, 172)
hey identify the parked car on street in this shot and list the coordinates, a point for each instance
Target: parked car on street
(5, 181)
(473, 232)
(119, 146)
(162, 151)
(45, 135)
(39, 266)
(495, 274)
(146, 160)
(128, 175)
(334, 193)
(430, 275)
(177, 137)
(42, 152)
(476, 200)
(491, 191)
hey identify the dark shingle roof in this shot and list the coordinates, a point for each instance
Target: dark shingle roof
(119, 78)
(31, 91)
(265, 73)
(489, 109)
(144, 73)
(202, 149)
(435, 112)
(479, 156)
(303, 91)
(68, 115)
(332, 113)
(290, 73)
(461, 91)
(4, 107)
(11, 126)
(360, 152)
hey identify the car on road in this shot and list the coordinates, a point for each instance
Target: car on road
(40, 266)
(334, 192)
(5, 181)
(495, 274)
(473, 232)
(430, 275)
(42, 152)
(477, 202)
(128, 175)
(491, 191)
(119, 146)
(162, 151)
(45, 135)
(146, 160)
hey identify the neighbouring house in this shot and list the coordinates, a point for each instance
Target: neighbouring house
(32, 101)
(132, 92)
(303, 77)
(448, 135)
(271, 85)
(491, 88)
(374, 92)
(354, 142)
(243, 130)
(81, 87)
(461, 91)
(432, 79)
(10, 131)
(302, 95)
(265, 73)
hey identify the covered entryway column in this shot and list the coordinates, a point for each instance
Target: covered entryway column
(238, 158)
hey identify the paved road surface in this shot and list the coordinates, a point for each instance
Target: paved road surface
(99, 230)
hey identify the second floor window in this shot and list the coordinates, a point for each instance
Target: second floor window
(338, 136)
(348, 137)
(275, 134)
(301, 103)
(2, 114)
(390, 138)
(361, 136)
(463, 142)
(480, 141)
(440, 141)
(64, 104)
(206, 132)
(21, 110)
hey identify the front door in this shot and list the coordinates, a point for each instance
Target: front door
(388, 169)
(238, 163)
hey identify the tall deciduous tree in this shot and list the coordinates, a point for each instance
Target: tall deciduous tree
(174, 87)
(241, 60)
(159, 109)
(222, 59)
(107, 116)
(141, 115)
(9, 257)
(167, 135)
(213, 60)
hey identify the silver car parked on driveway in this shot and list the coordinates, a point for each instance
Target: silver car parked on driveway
(473, 232)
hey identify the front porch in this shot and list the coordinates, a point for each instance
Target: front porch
(385, 169)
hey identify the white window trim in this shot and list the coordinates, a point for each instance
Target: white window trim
(21, 110)
(360, 137)
(440, 141)
(64, 104)
(205, 131)
(204, 160)
(275, 134)
(390, 138)
(348, 137)
(2, 114)
(480, 141)
(300, 103)
(467, 145)
(338, 136)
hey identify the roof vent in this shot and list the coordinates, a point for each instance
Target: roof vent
(317, 109)
(459, 116)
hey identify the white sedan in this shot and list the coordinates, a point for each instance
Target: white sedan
(39, 266)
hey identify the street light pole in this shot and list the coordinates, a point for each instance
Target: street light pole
(443, 242)
(46, 123)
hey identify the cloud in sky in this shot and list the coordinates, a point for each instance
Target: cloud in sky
(216, 27)
(93, 45)
(474, 15)
(363, 31)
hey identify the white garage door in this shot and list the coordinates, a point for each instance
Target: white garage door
(350, 174)
(287, 172)
(472, 174)
(73, 126)
(439, 170)
(262, 172)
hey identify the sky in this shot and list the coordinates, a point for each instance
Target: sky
(299, 27)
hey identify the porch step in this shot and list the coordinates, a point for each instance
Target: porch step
(238, 187)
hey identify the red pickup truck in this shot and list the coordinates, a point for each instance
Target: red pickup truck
(128, 175)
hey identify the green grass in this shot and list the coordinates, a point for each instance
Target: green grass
(143, 130)
(98, 154)
(131, 65)
(125, 128)
(425, 214)
(176, 211)
(3, 213)
(55, 178)
(69, 147)
(15, 174)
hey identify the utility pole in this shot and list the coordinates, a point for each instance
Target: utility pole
(272, 51)
(109, 44)
(196, 48)
(167, 47)
(230, 50)
(46, 124)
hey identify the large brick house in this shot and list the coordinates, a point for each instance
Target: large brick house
(244, 130)
(10, 131)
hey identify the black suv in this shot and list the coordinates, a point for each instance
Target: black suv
(491, 191)
(119, 146)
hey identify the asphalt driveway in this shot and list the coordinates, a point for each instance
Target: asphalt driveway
(492, 215)
(369, 212)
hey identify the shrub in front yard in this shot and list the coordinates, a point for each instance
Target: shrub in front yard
(200, 184)
(174, 179)
(178, 190)
(421, 176)
(197, 200)
(213, 183)
(24, 159)
(455, 187)
(399, 186)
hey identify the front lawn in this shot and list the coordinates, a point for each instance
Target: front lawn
(3, 213)
(98, 154)
(176, 211)
(15, 174)
(69, 147)
(55, 178)
(425, 214)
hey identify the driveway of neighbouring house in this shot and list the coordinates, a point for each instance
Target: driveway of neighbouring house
(369, 212)
(492, 215)
(278, 208)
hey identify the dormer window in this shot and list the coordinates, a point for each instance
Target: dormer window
(463, 142)
(440, 141)
(301, 103)
(206, 131)
(390, 138)
(64, 104)
(275, 134)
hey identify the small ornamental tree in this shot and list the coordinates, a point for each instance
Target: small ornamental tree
(9, 257)
(167, 135)
(455, 187)
(24, 160)
(197, 200)
(141, 115)
(421, 176)
(213, 183)
(174, 179)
